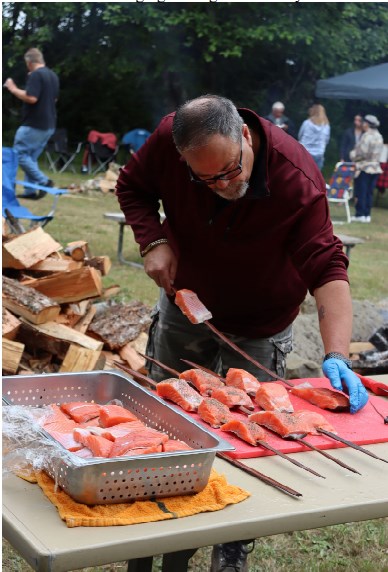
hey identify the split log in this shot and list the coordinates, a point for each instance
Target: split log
(70, 286)
(52, 264)
(140, 343)
(110, 292)
(28, 303)
(82, 359)
(355, 348)
(37, 342)
(101, 263)
(62, 333)
(10, 325)
(12, 354)
(120, 324)
(25, 250)
(132, 358)
(78, 250)
(110, 358)
(85, 321)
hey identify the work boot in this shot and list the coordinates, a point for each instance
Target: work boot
(231, 557)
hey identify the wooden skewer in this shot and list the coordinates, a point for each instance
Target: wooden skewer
(259, 475)
(160, 364)
(139, 376)
(350, 444)
(324, 453)
(277, 452)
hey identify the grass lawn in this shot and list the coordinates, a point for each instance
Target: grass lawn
(349, 547)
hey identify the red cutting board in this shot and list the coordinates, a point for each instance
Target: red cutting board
(363, 428)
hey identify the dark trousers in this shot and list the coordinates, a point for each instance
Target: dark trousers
(364, 186)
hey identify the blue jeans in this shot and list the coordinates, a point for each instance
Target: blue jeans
(29, 144)
(172, 337)
(319, 160)
(364, 186)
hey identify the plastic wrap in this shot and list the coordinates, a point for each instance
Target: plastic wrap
(26, 448)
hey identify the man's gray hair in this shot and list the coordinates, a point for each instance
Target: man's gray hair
(199, 119)
(34, 56)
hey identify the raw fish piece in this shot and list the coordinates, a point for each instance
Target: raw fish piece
(243, 380)
(120, 430)
(56, 420)
(272, 396)
(179, 391)
(245, 430)
(175, 445)
(232, 397)
(65, 439)
(191, 306)
(286, 424)
(323, 397)
(204, 382)
(213, 412)
(81, 411)
(114, 414)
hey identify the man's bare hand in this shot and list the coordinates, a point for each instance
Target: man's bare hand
(10, 84)
(160, 264)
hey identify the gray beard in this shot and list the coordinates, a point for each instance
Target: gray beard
(234, 191)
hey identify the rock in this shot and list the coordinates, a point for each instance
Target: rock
(300, 368)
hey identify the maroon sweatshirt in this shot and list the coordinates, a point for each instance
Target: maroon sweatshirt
(250, 261)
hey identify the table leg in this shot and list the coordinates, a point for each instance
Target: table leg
(175, 561)
(120, 248)
(140, 564)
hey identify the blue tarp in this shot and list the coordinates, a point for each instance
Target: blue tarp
(369, 84)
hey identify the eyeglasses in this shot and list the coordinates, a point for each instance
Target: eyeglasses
(227, 176)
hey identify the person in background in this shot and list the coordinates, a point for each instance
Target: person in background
(277, 117)
(367, 155)
(248, 230)
(314, 133)
(350, 138)
(39, 118)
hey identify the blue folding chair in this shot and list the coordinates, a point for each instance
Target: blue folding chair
(134, 139)
(12, 210)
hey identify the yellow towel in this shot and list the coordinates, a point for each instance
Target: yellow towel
(216, 495)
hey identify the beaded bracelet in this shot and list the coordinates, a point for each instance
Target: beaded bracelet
(152, 245)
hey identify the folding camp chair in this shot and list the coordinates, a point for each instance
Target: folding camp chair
(12, 211)
(340, 188)
(101, 149)
(58, 153)
(133, 140)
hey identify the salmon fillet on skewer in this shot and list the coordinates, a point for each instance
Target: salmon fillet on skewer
(179, 391)
(323, 397)
(204, 382)
(272, 396)
(232, 397)
(213, 412)
(243, 380)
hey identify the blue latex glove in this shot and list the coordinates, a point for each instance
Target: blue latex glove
(343, 379)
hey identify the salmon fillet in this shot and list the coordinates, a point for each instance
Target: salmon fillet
(122, 445)
(213, 412)
(232, 397)
(179, 391)
(242, 380)
(56, 420)
(175, 445)
(114, 414)
(286, 424)
(323, 397)
(120, 430)
(245, 430)
(84, 453)
(272, 396)
(65, 439)
(81, 411)
(99, 446)
(204, 382)
(191, 306)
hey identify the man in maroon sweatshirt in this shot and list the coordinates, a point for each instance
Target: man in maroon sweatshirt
(248, 229)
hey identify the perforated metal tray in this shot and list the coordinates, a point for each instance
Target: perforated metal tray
(123, 479)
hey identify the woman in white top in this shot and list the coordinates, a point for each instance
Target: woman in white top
(314, 133)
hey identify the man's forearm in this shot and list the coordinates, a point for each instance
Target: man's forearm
(334, 306)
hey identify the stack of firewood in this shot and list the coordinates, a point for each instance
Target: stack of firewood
(57, 316)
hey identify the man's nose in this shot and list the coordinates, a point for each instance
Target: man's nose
(220, 184)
